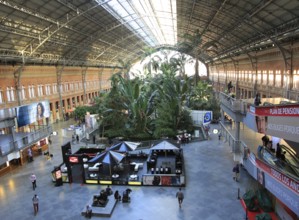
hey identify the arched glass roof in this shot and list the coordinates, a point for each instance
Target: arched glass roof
(101, 32)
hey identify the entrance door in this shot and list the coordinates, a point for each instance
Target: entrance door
(77, 173)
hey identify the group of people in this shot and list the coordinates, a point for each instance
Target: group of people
(184, 138)
(35, 198)
(125, 198)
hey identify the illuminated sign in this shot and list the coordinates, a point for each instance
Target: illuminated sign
(73, 159)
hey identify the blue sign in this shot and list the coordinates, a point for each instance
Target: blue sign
(207, 117)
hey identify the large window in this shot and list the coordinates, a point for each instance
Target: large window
(278, 78)
(40, 91)
(22, 93)
(54, 88)
(71, 86)
(296, 79)
(1, 96)
(48, 89)
(10, 93)
(259, 77)
(31, 91)
(271, 78)
(66, 87)
(249, 74)
(265, 77)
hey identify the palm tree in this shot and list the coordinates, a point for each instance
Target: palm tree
(179, 60)
(148, 51)
(190, 45)
(125, 68)
(171, 109)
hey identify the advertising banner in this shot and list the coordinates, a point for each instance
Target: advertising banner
(276, 126)
(283, 127)
(35, 112)
(161, 180)
(282, 186)
(283, 110)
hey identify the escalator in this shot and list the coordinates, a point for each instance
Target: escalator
(291, 159)
(290, 165)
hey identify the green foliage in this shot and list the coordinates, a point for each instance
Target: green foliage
(190, 45)
(80, 112)
(154, 107)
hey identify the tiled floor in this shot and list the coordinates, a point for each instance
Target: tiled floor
(210, 192)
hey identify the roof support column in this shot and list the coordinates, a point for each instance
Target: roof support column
(83, 73)
(236, 65)
(17, 80)
(100, 75)
(253, 61)
(59, 71)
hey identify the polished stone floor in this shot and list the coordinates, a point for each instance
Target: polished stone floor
(210, 192)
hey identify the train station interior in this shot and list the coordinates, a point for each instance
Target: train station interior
(57, 56)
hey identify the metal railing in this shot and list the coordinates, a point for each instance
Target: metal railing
(237, 146)
(236, 105)
(23, 140)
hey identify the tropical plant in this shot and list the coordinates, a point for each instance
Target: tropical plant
(190, 45)
(81, 111)
(125, 68)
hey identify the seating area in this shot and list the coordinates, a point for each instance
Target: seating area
(101, 211)
(100, 200)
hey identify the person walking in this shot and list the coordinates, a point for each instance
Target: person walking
(35, 201)
(33, 180)
(77, 138)
(180, 196)
(236, 171)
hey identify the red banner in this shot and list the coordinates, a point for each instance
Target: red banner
(286, 110)
(287, 181)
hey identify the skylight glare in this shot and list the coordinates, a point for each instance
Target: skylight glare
(153, 21)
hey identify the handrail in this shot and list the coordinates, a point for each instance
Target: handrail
(235, 144)
(236, 105)
(26, 139)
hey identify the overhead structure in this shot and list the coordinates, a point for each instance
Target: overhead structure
(102, 32)
(125, 146)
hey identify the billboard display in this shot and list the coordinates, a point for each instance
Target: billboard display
(35, 112)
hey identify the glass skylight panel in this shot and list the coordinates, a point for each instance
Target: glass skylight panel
(153, 21)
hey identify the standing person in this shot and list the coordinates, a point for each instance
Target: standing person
(257, 99)
(33, 180)
(77, 138)
(94, 139)
(30, 156)
(229, 87)
(35, 201)
(278, 151)
(88, 212)
(180, 196)
(236, 171)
